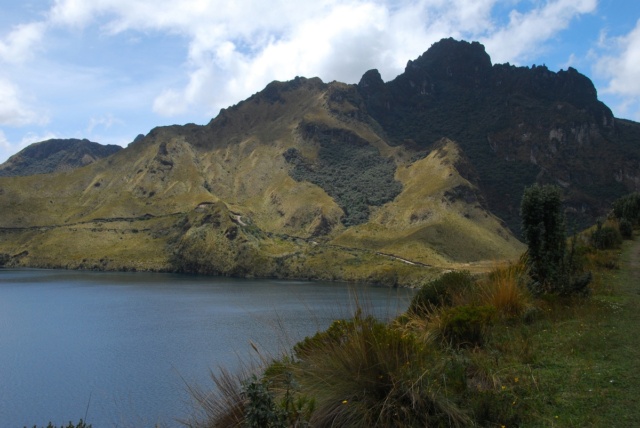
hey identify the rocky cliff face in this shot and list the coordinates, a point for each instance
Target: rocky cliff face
(55, 155)
(517, 125)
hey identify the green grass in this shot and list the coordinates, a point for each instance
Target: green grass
(588, 369)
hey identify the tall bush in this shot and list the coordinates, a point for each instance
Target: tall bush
(628, 207)
(625, 228)
(605, 237)
(543, 228)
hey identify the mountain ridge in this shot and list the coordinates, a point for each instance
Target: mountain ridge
(381, 182)
(55, 155)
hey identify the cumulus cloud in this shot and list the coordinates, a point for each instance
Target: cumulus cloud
(20, 43)
(620, 67)
(16, 47)
(526, 32)
(13, 111)
(233, 49)
(232, 58)
(4, 143)
(104, 122)
(622, 63)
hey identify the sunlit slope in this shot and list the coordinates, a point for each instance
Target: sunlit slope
(297, 181)
(438, 219)
(157, 176)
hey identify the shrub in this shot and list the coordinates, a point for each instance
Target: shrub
(348, 168)
(603, 259)
(244, 399)
(628, 207)
(605, 237)
(264, 409)
(260, 409)
(466, 325)
(543, 227)
(626, 228)
(442, 291)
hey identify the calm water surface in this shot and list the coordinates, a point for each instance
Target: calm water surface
(124, 345)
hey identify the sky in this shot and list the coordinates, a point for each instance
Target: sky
(109, 70)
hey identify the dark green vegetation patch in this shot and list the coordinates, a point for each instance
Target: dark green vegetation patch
(349, 169)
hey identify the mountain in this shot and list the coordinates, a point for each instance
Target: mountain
(382, 182)
(517, 125)
(55, 155)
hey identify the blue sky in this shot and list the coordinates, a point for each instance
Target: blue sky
(108, 70)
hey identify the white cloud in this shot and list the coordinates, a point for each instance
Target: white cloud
(13, 111)
(104, 122)
(619, 66)
(335, 41)
(75, 13)
(4, 143)
(234, 48)
(20, 44)
(527, 32)
(170, 103)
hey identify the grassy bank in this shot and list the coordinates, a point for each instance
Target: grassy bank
(469, 352)
(588, 370)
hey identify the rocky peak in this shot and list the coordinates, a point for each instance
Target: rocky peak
(452, 60)
(517, 125)
(371, 81)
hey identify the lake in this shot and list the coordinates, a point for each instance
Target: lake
(121, 347)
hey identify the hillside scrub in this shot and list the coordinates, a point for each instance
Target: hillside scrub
(628, 208)
(349, 169)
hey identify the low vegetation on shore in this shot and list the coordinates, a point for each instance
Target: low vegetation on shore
(543, 342)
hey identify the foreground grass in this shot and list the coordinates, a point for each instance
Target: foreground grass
(586, 365)
(467, 353)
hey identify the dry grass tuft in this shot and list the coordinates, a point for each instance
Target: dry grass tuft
(366, 373)
(222, 406)
(505, 289)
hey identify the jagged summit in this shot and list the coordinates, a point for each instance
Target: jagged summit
(450, 66)
(516, 124)
(450, 59)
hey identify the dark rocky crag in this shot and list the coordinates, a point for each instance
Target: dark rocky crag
(517, 125)
(55, 155)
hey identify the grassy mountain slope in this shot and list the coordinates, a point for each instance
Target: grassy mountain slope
(274, 186)
(376, 181)
(448, 227)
